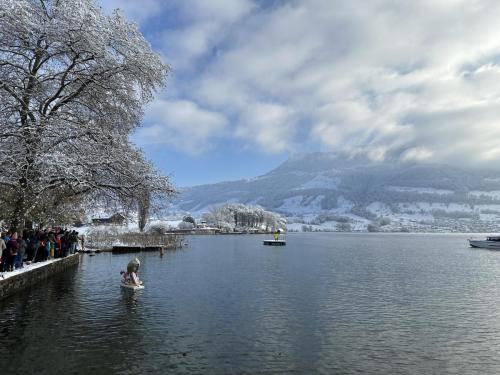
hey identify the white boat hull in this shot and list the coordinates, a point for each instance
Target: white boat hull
(485, 244)
(131, 286)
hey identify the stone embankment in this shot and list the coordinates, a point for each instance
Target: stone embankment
(13, 282)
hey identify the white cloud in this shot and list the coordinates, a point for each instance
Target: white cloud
(206, 24)
(180, 124)
(356, 72)
(221, 10)
(409, 80)
(269, 126)
(416, 153)
(138, 11)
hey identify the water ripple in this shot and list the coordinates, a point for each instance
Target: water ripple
(326, 304)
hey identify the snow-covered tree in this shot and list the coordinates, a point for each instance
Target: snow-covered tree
(237, 215)
(189, 219)
(73, 83)
(185, 225)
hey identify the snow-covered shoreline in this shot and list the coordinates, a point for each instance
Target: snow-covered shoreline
(29, 267)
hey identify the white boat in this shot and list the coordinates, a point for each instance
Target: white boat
(492, 242)
(131, 286)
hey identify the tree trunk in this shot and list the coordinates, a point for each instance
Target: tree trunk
(143, 210)
(18, 219)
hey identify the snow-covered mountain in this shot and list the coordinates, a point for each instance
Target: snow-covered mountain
(324, 191)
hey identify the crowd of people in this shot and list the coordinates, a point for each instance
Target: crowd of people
(35, 246)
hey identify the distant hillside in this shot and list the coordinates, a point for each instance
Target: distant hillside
(322, 191)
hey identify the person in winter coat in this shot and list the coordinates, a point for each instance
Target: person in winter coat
(12, 248)
(73, 241)
(42, 252)
(31, 246)
(21, 249)
(57, 245)
(3, 254)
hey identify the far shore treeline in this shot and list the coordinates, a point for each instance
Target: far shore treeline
(235, 216)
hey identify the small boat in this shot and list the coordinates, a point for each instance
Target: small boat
(492, 242)
(131, 286)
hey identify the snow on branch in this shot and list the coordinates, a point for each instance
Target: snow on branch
(73, 84)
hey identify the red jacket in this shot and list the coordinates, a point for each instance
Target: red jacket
(12, 247)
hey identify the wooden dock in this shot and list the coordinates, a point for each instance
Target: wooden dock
(136, 249)
(275, 242)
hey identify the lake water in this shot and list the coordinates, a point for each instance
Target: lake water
(327, 303)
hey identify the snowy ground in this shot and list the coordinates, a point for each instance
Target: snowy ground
(420, 190)
(27, 268)
(320, 181)
(300, 205)
(129, 226)
(492, 194)
(303, 210)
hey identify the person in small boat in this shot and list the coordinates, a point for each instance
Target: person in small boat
(131, 276)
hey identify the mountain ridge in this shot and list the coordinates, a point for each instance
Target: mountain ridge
(327, 192)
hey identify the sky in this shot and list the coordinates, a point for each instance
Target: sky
(255, 81)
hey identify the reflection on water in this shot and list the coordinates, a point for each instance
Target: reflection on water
(326, 303)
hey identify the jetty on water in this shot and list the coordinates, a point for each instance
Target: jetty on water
(275, 242)
(136, 249)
